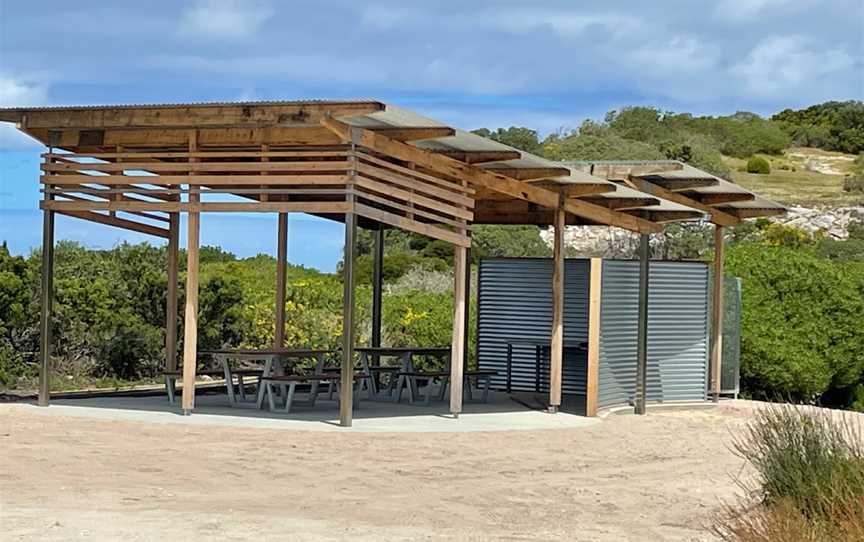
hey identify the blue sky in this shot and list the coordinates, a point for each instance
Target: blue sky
(543, 64)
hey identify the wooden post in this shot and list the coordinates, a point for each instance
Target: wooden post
(45, 338)
(594, 299)
(171, 301)
(281, 280)
(717, 316)
(556, 350)
(346, 393)
(377, 284)
(642, 329)
(457, 347)
(190, 323)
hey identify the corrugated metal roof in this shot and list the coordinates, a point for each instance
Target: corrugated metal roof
(189, 104)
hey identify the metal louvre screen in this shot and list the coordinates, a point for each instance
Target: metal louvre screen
(515, 306)
(677, 331)
(730, 367)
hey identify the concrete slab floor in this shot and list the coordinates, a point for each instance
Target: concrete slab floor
(501, 413)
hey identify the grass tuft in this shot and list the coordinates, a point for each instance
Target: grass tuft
(810, 471)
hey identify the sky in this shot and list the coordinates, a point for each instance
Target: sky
(547, 65)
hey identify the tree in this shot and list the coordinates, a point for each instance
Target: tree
(518, 137)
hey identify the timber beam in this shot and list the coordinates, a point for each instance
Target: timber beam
(717, 216)
(748, 212)
(667, 216)
(199, 116)
(412, 133)
(680, 185)
(622, 171)
(122, 223)
(530, 174)
(479, 177)
(726, 197)
(480, 157)
(622, 204)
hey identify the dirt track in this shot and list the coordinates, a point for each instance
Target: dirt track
(658, 477)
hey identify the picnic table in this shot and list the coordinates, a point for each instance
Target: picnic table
(274, 361)
(409, 374)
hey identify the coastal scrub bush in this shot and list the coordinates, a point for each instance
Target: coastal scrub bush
(759, 165)
(809, 465)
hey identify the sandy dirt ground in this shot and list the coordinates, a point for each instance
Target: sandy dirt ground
(659, 477)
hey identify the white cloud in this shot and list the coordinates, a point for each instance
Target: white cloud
(14, 92)
(787, 64)
(18, 93)
(743, 10)
(225, 19)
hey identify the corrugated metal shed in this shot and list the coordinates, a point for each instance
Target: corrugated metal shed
(677, 331)
(515, 304)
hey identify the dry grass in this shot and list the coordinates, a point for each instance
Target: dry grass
(810, 466)
(792, 183)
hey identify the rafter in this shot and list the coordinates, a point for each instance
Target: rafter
(530, 174)
(717, 216)
(622, 204)
(667, 216)
(749, 212)
(118, 223)
(480, 157)
(726, 197)
(486, 178)
(414, 133)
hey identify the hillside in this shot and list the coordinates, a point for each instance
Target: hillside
(801, 176)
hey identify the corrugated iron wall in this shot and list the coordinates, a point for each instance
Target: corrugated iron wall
(677, 331)
(515, 304)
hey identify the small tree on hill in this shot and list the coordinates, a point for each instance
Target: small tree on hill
(757, 164)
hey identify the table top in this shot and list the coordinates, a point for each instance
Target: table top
(249, 352)
(398, 350)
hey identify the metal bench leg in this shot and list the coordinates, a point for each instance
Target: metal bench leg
(290, 396)
(169, 388)
(270, 401)
(445, 381)
(400, 383)
(240, 387)
(262, 391)
(487, 380)
(330, 387)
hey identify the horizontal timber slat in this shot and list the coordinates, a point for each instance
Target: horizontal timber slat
(370, 184)
(411, 184)
(417, 211)
(202, 154)
(213, 207)
(413, 173)
(197, 180)
(199, 166)
(411, 225)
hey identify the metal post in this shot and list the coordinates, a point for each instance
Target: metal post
(642, 335)
(281, 280)
(467, 322)
(556, 346)
(171, 302)
(377, 284)
(47, 303)
(346, 392)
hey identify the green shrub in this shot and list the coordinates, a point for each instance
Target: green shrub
(800, 322)
(853, 184)
(759, 165)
